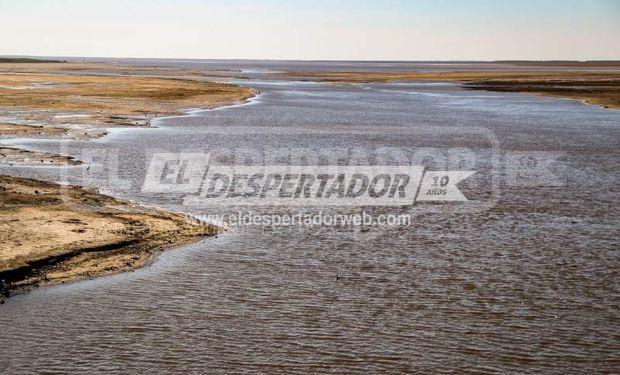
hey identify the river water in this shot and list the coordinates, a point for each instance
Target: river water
(523, 278)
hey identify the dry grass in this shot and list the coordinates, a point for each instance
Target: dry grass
(110, 96)
(26, 60)
(95, 96)
(597, 90)
(116, 69)
(30, 130)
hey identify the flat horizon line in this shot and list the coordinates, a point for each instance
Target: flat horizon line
(315, 60)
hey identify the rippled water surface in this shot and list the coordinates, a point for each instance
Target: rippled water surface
(525, 280)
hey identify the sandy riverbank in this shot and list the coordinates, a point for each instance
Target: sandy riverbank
(53, 234)
(72, 100)
(594, 87)
(13, 156)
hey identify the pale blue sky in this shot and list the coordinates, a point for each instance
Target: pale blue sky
(319, 29)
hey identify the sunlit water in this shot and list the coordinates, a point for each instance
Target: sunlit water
(525, 279)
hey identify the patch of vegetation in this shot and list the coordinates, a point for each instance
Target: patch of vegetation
(24, 60)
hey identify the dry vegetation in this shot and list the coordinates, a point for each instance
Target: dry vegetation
(73, 100)
(27, 60)
(600, 90)
(31, 130)
(16, 156)
(107, 98)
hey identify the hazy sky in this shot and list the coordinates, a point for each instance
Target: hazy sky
(314, 29)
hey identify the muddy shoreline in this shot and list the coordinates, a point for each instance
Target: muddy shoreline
(600, 88)
(81, 101)
(51, 233)
(93, 234)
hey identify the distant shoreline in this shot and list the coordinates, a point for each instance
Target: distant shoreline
(24, 60)
(600, 88)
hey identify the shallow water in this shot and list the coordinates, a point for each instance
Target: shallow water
(523, 279)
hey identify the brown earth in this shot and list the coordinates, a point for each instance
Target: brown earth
(107, 99)
(77, 100)
(51, 233)
(30, 130)
(16, 156)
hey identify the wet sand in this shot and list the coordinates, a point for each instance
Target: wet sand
(55, 234)
(57, 99)
(13, 156)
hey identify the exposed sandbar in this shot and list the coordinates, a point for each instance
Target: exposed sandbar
(43, 100)
(13, 156)
(51, 233)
